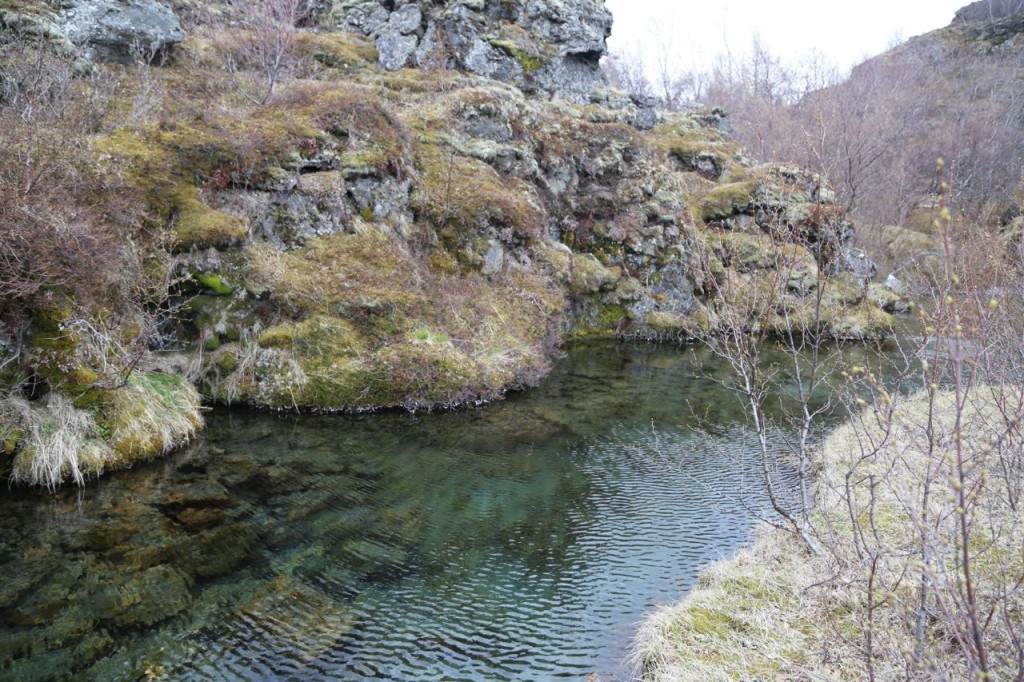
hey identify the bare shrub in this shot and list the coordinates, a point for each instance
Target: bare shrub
(772, 334)
(909, 516)
(266, 43)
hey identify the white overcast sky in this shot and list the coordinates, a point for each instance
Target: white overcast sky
(694, 31)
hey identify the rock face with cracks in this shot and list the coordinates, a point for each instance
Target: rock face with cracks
(543, 47)
(423, 237)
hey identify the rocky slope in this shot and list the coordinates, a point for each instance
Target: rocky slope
(437, 197)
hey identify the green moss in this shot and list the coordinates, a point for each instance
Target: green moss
(367, 214)
(280, 336)
(363, 162)
(197, 225)
(430, 336)
(444, 261)
(598, 320)
(727, 199)
(140, 160)
(320, 364)
(669, 324)
(529, 62)
(227, 362)
(216, 283)
(694, 325)
(10, 436)
(705, 621)
(325, 337)
(56, 357)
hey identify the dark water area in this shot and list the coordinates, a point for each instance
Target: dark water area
(522, 540)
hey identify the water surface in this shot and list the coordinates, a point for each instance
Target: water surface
(522, 540)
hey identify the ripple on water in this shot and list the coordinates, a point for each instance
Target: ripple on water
(521, 541)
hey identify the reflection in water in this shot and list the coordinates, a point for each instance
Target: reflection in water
(521, 540)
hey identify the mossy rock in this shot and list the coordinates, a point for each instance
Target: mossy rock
(748, 252)
(468, 194)
(862, 322)
(363, 163)
(196, 225)
(698, 150)
(529, 62)
(57, 356)
(727, 200)
(801, 269)
(316, 363)
(595, 319)
(278, 336)
(227, 361)
(324, 187)
(222, 316)
(337, 49)
(582, 272)
(887, 300)
(666, 323)
(842, 291)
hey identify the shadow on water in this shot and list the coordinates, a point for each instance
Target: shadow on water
(521, 540)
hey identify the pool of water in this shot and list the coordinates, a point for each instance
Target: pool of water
(522, 540)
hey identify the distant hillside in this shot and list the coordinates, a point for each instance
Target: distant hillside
(954, 93)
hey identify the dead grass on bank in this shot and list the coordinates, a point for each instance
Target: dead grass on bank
(152, 415)
(774, 612)
(54, 441)
(57, 441)
(745, 619)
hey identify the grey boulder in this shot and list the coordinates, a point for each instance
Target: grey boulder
(121, 30)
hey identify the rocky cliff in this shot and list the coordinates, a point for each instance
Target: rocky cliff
(436, 198)
(542, 47)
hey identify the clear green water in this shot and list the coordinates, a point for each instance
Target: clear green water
(522, 540)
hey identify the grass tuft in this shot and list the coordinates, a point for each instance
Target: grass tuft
(58, 441)
(151, 415)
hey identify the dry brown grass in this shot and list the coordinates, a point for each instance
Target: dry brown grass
(57, 441)
(775, 612)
